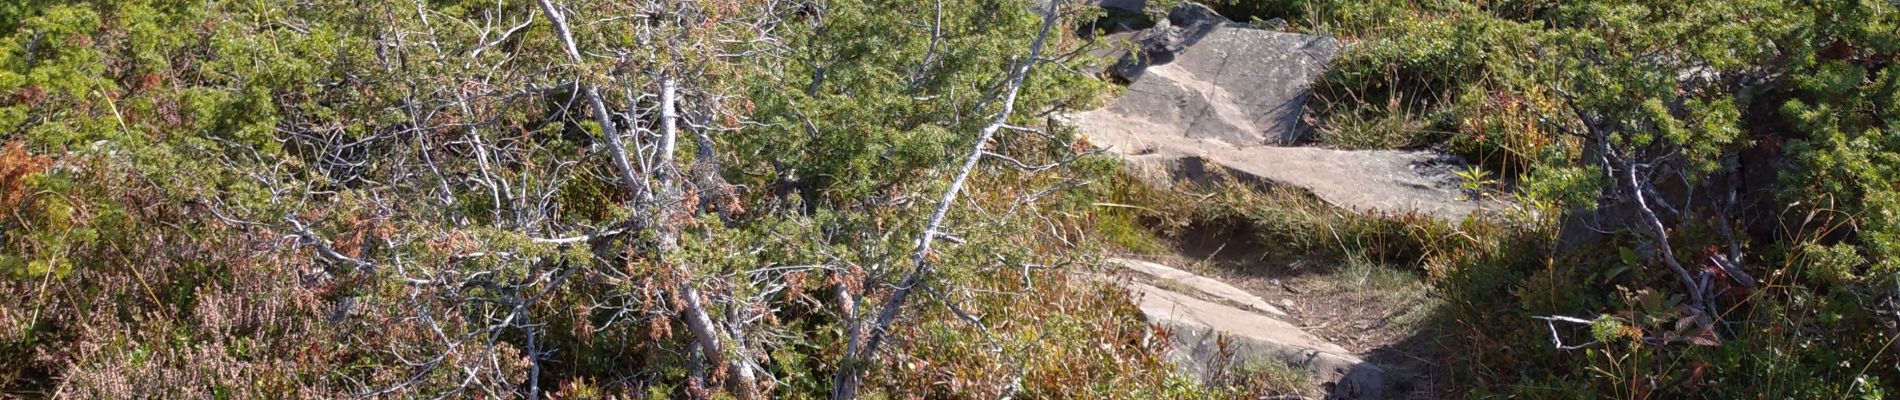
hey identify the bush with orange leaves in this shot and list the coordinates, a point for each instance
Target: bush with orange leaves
(15, 165)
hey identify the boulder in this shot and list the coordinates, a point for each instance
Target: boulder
(1222, 81)
(1209, 321)
(1206, 93)
(1195, 16)
(1186, 25)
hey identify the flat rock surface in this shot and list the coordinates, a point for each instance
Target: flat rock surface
(1208, 319)
(1176, 308)
(1384, 181)
(1182, 281)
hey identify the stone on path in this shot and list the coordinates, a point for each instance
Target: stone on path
(1201, 313)
(1178, 280)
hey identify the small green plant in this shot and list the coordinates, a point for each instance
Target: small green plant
(1475, 180)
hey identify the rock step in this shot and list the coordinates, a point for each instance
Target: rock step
(1202, 314)
(1372, 181)
(1207, 92)
(1215, 290)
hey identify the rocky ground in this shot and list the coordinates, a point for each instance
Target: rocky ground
(1373, 312)
(1207, 95)
(1355, 328)
(1206, 92)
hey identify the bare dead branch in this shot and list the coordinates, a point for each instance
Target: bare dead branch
(629, 178)
(850, 377)
(1558, 341)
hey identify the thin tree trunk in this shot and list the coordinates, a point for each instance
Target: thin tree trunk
(850, 375)
(669, 118)
(693, 311)
(629, 178)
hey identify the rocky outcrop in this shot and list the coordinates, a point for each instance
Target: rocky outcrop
(1209, 320)
(1241, 101)
(1373, 181)
(1198, 75)
(1208, 92)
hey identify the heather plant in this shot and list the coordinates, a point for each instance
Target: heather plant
(868, 198)
(574, 198)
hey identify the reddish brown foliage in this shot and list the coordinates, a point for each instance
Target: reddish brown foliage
(30, 96)
(15, 165)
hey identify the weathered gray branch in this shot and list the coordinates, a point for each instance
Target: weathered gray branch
(629, 178)
(850, 375)
(693, 309)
